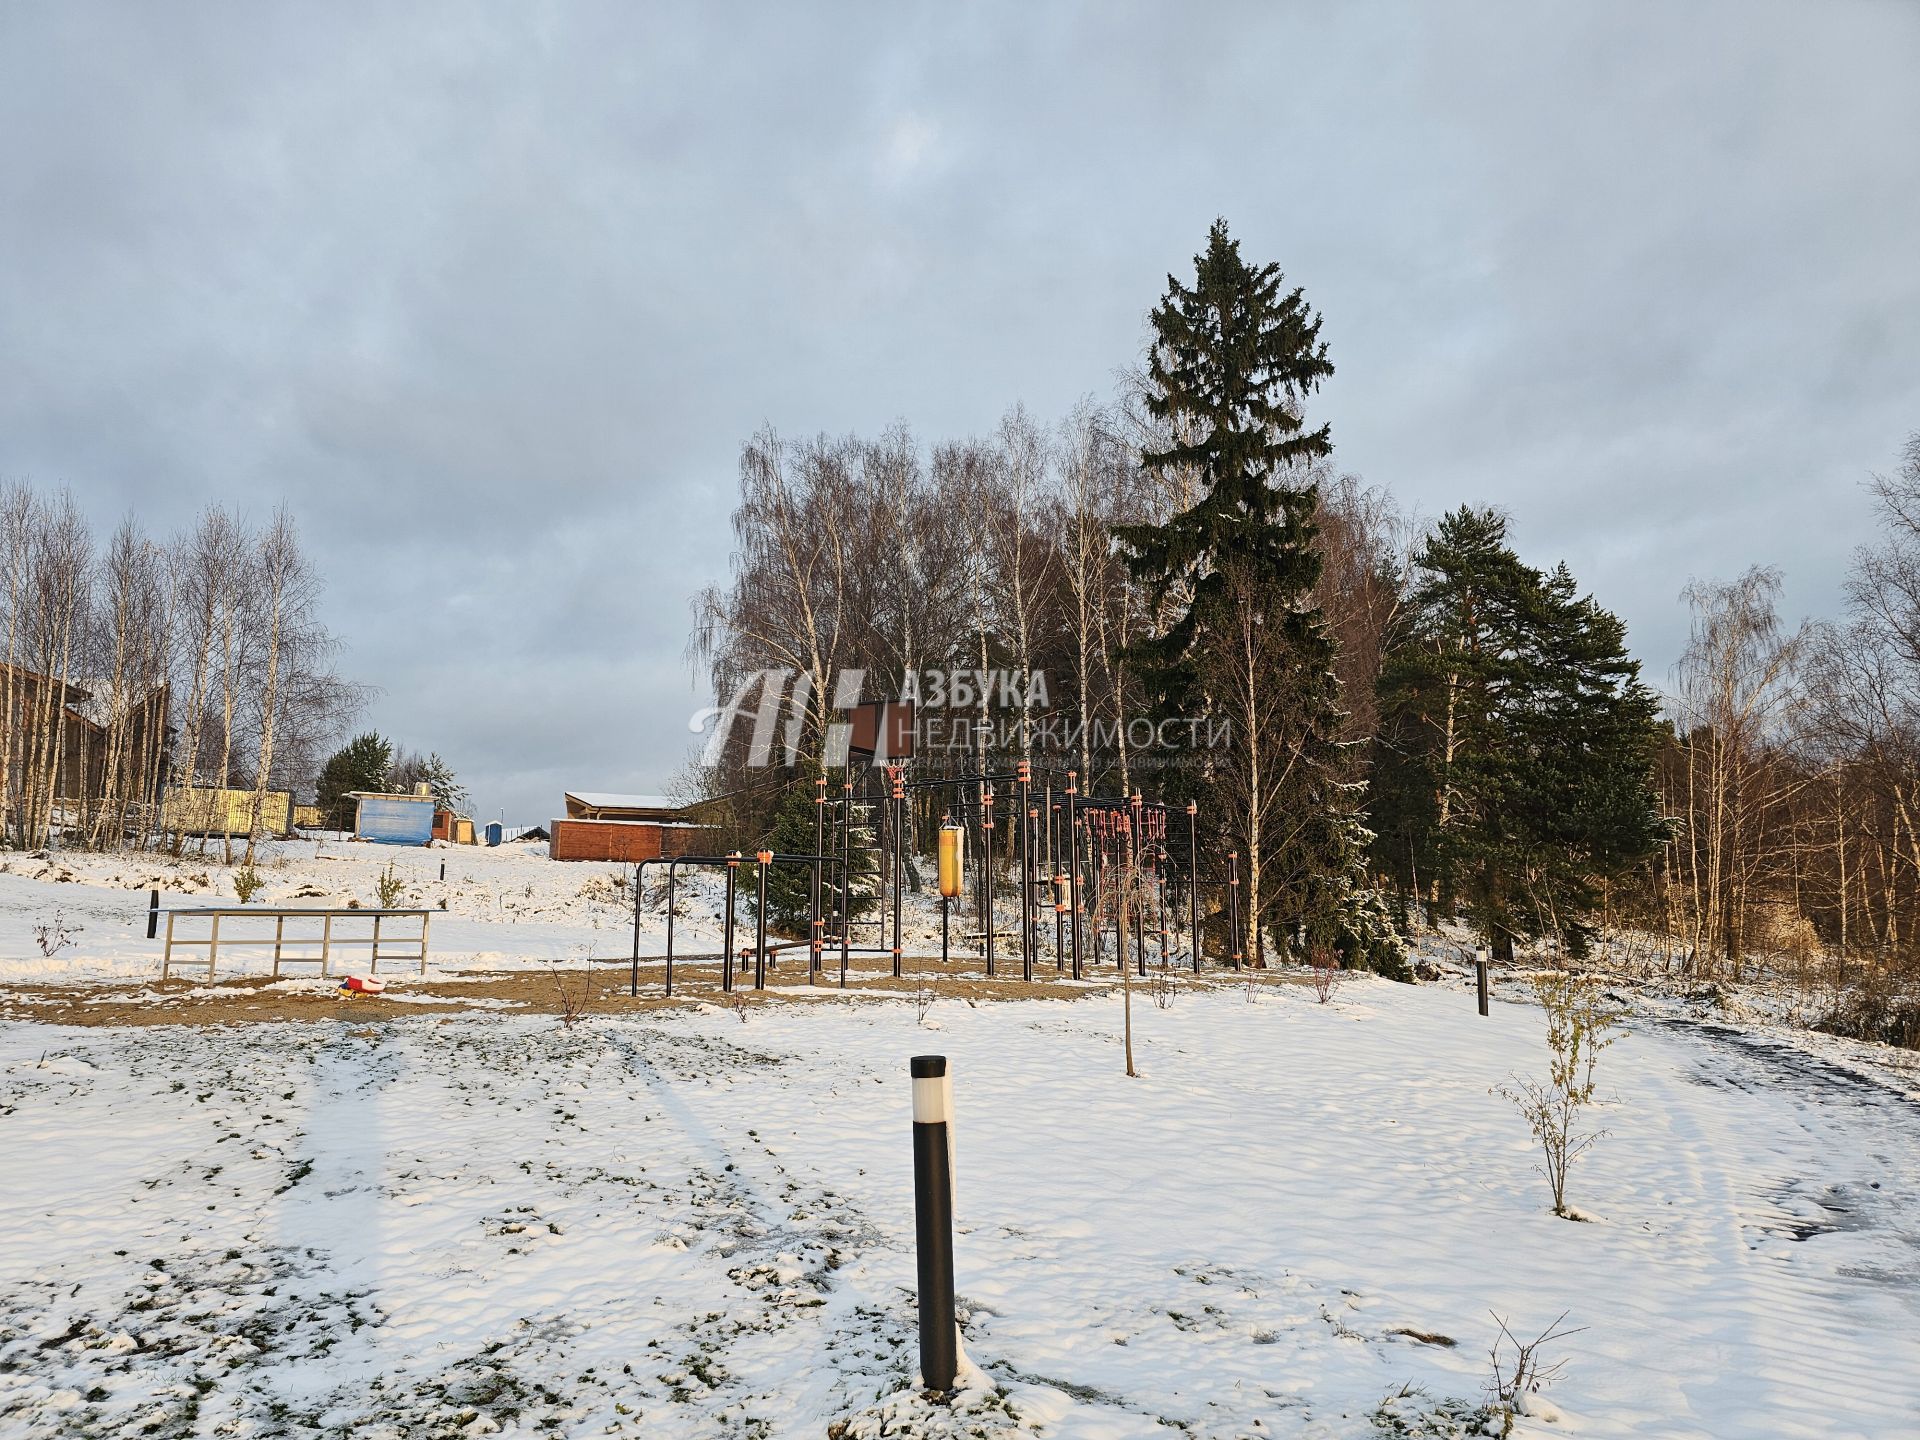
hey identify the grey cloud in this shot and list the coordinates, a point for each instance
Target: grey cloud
(492, 294)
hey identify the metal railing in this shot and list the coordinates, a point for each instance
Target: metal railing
(391, 935)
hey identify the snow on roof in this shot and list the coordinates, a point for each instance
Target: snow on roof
(651, 824)
(605, 800)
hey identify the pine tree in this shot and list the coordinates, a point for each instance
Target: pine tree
(1513, 768)
(1230, 580)
(360, 764)
(790, 887)
(448, 792)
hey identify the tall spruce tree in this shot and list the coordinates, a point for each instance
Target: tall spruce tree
(1230, 580)
(1513, 768)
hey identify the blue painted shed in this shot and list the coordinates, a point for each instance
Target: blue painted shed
(393, 819)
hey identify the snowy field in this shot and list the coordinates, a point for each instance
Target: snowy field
(505, 908)
(1299, 1222)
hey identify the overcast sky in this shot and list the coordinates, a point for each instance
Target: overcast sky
(491, 294)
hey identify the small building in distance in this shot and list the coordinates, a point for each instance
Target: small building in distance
(626, 828)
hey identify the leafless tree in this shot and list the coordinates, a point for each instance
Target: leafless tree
(1737, 695)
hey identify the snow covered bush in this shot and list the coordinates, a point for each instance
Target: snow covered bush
(390, 887)
(247, 883)
(1580, 1024)
(1521, 1370)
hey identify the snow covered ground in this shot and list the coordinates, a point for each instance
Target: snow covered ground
(1300, 1221)
(401, 1219)
(505, 908)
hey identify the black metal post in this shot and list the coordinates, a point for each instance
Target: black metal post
(1047, 853)
(153, 914)
(1193, 880)
(763, 859)
(1073, 868)
(846, 872)
(1131, 874)
(899, 859)
(933, 1218)
(986, 871)
(1233, 908)
(1025, 783)
(443, 872)
(945, 904)
(672, 874)
(1480, 974)
(816, 931)
(634, 978)
(726, 959)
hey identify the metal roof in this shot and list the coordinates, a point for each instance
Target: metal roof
(606, 800)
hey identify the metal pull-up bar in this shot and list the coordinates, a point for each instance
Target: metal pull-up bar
(761, 861)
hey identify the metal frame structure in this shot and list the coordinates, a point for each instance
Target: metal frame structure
(1057, 836)
(762, 861)
(327, 940)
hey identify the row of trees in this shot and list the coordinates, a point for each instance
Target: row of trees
(1181, 587)
(1398, 718)
(1794, 772)
(142, 664)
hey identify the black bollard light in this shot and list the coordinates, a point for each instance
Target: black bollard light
(1480, 975)
(933, 1218)
(153, 913)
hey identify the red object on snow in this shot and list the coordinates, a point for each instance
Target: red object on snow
(363, 985)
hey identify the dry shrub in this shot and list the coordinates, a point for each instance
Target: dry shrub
(1328, 977)
(1580, 1024)
(573, 997)
(1521, 1368)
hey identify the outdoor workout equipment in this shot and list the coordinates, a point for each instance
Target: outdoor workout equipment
(1073, 846)
(953, 841)
(762, 861)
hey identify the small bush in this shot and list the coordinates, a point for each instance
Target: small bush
(247, 883)
(1521, 1368)
(390, 888)
(1580, 1024)
(53, 936)
(1327, 974)
(574, 1002)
